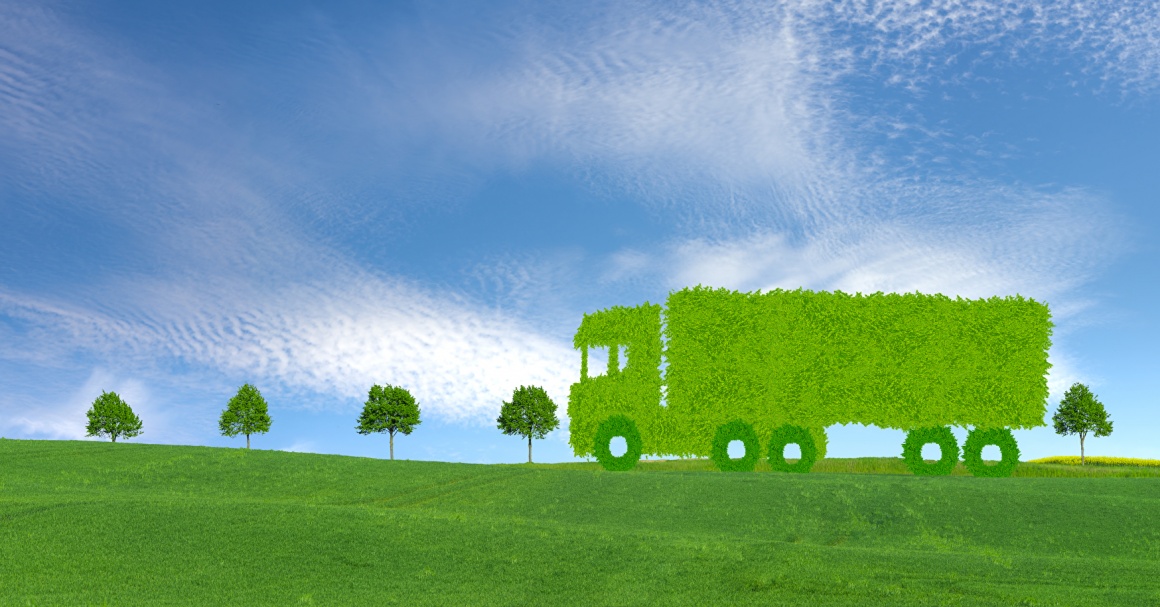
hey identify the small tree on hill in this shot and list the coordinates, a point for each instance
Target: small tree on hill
(245, 414)
(389, 409)
(1079, 413)
(531, 413)
(110, 416)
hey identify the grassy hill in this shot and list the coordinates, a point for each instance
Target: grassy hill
(86, 523)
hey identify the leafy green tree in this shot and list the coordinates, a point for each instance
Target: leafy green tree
(245, 414)
(389, 409)
(531, 413)
(1079, 413)
(110, 416)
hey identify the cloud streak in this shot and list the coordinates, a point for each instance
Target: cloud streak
(729, 105)
(458, 361)
(66, 420)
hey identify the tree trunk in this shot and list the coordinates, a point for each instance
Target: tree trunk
(114, 437)
(392, 446)
(1081, 449)
(247, 441)
(529, 448)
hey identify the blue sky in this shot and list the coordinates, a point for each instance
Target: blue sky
(316, 197)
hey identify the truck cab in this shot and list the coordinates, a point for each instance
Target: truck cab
(632, 389)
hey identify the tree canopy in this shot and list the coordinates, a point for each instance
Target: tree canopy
(531, 413)
(389, 409)
(110, 416)
(1080, 413)
(245, 414)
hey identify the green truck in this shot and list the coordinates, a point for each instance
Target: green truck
(777, 368)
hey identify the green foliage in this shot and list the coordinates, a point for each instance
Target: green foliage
(530, 414)
(816, 359)
(112, 417)
(245, 414)
(617, 425)
(1080, 413)
(389, 409)
(821, 442)
(973, 452)
(939, 435)
(634, 391)
(811, 359)
(796, 435)
(727, 433)
(163, 525)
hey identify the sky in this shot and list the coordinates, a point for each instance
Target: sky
(315, 197)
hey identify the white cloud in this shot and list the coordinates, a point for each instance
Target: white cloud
(917, 42)
(723, 105)
(66, 419)
(302, 446)
(458, 361)
(626, 264)
(1063, 374)
(971, 241)
(644, 100)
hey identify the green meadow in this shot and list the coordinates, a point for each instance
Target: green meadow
(89, 523)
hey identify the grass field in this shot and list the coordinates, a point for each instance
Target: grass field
(87, 523)
(1057, 467)
(1098, 460)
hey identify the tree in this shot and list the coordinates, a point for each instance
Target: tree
(1079, 413)
(389, 409)
(110, 416)
(531, 413)
(245, 414)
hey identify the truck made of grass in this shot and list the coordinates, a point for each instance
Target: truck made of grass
(777, 368)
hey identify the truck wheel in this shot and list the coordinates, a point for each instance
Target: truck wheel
(973, 452)
(727, 433)
(617, 425)
(792, 435)
(918, 438)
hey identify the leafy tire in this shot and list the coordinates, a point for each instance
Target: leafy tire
(939, 435)
(973, 452)
(617, 425)
(727, 433)
(796, 435)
